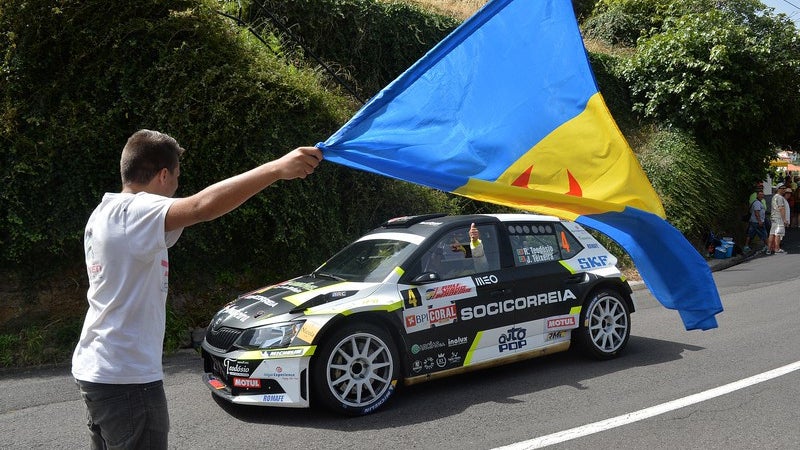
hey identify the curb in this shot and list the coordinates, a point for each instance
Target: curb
(714, 264)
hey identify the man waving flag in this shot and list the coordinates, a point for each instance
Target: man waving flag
(506, 110)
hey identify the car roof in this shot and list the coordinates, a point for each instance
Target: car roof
(428, 224)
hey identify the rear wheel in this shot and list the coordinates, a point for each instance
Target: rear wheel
(355, 370)
(605, 325)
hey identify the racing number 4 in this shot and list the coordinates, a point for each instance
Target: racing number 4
(564, 242)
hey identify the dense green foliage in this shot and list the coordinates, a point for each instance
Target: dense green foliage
(81, 76)
(715, 86)
(369, 42)
(727, 73)
(686, 177)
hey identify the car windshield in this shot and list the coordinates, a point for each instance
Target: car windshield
(369, 260)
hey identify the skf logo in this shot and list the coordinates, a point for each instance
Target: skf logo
(249, 383)
(594, 261)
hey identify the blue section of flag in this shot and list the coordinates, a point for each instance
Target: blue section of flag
(510, 77)
(671, 268)
(472, 80)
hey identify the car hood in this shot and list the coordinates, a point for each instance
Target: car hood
(289, 297)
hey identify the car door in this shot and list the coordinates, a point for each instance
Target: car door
(545, 294)
(446, 309)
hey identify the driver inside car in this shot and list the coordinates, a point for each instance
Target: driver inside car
(450, 266)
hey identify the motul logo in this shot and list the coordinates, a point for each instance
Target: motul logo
(246, 382)
(561, 322)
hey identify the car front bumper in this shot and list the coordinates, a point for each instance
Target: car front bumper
(266, 378)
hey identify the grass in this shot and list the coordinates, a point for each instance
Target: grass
(460, 9)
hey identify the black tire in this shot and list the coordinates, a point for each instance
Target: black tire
(605, 325)
(355, 370)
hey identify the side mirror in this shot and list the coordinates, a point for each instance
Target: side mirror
(426, 277)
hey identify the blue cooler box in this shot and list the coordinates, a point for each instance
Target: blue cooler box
(724, 251)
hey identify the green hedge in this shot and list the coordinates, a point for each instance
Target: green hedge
(80, 76)
(368, 43)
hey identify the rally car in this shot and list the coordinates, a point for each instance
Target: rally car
(416, 299)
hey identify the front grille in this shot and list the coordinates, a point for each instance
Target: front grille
(222, 338)
(216, 366)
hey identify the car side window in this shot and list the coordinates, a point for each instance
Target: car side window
(569, 244)
(539, 242)
(452, 256)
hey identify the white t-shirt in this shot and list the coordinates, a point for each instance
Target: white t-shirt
(777, 202)
(128, 267)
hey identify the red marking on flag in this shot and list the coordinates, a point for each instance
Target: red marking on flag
(524, 179)
(574, 187)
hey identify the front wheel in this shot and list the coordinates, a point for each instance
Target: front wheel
(605, 325)
(356, 369)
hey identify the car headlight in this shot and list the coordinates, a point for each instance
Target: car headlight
(270, 336)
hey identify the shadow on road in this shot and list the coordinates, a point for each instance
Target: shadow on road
(447, 397)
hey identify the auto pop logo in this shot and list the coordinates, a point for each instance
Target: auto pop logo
(516, 304)
(513, 339)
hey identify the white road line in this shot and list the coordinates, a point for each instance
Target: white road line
(585, 430)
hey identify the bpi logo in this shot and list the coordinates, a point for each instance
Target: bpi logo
(413, 319)
(514, 339)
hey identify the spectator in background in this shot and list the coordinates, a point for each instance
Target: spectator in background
(758, 213)
(759, 187)
(788, 194)
(794, 220)
(779, 222)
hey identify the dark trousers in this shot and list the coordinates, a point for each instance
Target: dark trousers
(126, 416)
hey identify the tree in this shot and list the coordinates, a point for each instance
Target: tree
(728, 72)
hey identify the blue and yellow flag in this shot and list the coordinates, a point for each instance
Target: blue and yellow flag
(506, 110)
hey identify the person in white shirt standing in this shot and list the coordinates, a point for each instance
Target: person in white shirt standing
(779, 221)
(117, 361)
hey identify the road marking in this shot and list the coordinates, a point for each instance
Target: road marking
(603, 425)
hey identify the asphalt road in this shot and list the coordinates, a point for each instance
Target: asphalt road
(662, 367)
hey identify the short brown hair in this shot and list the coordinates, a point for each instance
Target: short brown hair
(145, 154)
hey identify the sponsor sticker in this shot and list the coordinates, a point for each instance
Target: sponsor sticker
(234, 367)
(512, 339)
(561, 323)
(443, 315)
(515, 304)
(430, 345)
(273, 398)
(287, 353)
(453, 290)
(249, 383)
(265, 300)
(308, 332)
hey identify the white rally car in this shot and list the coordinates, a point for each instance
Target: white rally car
(414, 300)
